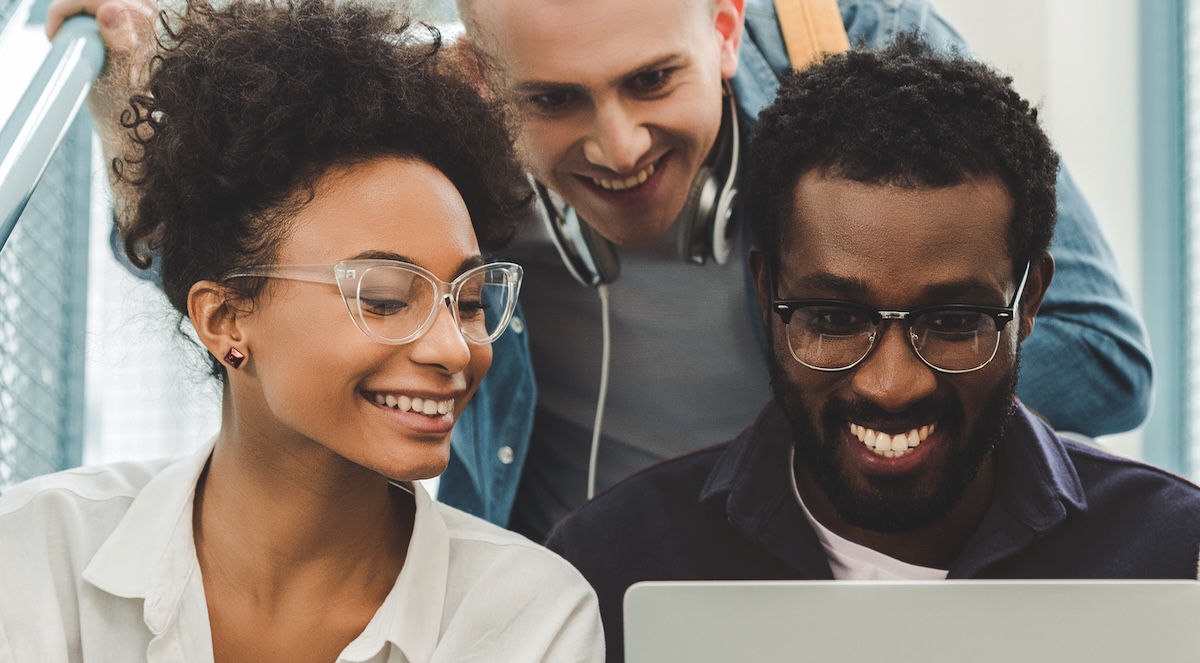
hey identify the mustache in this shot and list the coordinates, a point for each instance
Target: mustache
(863, 412)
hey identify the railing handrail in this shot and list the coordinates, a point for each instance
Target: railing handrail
(45, 111)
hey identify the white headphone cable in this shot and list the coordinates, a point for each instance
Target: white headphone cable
(605, 353)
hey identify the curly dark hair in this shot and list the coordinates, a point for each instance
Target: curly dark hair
(249, 104)
(909, 117)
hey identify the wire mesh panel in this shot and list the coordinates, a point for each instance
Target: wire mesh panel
(43, 299)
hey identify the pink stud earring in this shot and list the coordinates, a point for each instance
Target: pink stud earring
(234, 357)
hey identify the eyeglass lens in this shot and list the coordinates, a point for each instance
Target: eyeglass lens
(836, 337)
(395, 303)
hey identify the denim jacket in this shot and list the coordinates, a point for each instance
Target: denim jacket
(1087, 369)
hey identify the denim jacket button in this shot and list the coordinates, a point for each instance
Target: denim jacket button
(506, 455)
(517, 326)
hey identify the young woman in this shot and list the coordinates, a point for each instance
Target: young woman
(320, 200)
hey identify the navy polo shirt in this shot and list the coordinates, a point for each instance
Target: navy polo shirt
(1061, 509)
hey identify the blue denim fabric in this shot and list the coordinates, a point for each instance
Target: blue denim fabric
(1086, 368)
(494, 428)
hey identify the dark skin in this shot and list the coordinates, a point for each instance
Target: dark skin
(934, 547)
(331, 589)
(299, 535)
(893, 248)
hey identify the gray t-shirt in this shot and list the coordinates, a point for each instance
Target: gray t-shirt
(686, 371)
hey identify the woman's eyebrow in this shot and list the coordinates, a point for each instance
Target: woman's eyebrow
(471, 262)
(381, 255)
(468, 263)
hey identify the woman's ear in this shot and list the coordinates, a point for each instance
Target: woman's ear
(215, 319)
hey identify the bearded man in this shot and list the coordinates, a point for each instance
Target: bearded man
(903, 203)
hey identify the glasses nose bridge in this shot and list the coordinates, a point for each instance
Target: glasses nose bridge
(447, 293)
(903, 317)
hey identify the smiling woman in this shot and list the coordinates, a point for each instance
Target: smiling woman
(321, 201)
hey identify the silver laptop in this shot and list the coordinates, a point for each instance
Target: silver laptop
(913, 621)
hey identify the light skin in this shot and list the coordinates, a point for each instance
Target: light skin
(619, 101)
(298, 533)
(607, 93)
(894, 248)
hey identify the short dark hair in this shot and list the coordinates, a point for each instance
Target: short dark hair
(249, 104)
(904, 116)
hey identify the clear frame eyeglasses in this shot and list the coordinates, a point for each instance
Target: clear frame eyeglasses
(833, 335)
(395, 302)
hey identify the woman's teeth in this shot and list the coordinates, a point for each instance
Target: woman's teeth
(628, 182)
(891, 446)
(425, 406)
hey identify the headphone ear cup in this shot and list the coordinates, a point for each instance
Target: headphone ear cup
(720, 239)
(704, 225)
(692, 224)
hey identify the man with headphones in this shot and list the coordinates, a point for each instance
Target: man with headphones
(632, 119)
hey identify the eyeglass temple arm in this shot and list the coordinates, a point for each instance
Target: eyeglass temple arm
(309, 273)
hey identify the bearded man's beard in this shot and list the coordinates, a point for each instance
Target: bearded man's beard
(899, 504)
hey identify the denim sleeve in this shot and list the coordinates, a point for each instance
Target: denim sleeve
(1086, 367)
(490, 440)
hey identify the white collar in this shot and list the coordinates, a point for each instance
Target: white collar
(850, 560)
(151, 555)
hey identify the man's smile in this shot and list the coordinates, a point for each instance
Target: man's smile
(891, 445)
(637, 178)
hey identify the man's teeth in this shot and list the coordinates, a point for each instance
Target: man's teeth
(425, 406)
(628, 182)
(891, 446)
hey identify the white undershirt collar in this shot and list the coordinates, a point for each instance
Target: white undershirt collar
(853, 561)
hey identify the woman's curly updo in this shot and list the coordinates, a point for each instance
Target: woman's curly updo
(249, 104)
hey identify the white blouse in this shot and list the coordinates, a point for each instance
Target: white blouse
(99, 564)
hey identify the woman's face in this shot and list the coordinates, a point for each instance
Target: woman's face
(313, 377)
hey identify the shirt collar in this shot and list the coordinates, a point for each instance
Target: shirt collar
(1037, 487)
(751, 478)
(151, 553)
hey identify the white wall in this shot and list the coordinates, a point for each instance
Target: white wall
(1078, 59)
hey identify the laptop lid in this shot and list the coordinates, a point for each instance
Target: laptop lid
(913, 621)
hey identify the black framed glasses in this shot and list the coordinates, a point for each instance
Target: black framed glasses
(395, 302)
(834, 335)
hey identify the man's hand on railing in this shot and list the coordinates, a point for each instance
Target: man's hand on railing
(128, 30)
(126, 26)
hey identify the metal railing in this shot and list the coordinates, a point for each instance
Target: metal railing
(45, 184)
(44, 113)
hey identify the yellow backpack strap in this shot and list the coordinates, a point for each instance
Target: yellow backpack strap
(811, 28)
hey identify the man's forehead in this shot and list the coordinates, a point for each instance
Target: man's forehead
(481, 13)
(832, 213)
(848, 235)
(550, 40)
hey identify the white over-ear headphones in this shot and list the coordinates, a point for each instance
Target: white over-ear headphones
(703, 228)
